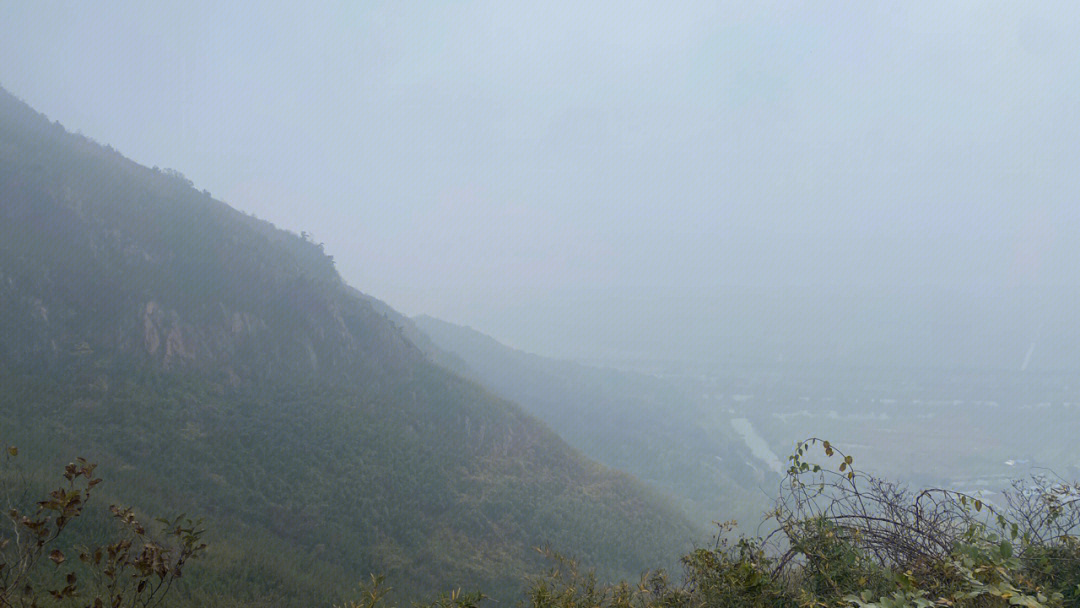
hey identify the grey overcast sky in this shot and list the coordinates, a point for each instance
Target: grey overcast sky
(566, 176)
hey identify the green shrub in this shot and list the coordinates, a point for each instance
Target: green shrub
(40, 567)
(842, 537)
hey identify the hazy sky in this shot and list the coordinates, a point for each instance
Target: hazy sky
(557, 174)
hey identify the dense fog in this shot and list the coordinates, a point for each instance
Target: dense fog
(621, 179)
(431, 294)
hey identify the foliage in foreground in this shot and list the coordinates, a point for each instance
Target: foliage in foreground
(843, 537)
(133, 568)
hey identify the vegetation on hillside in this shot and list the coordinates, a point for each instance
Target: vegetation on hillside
(218, 365)
(42, 562)
(846, 538)
(632, 422)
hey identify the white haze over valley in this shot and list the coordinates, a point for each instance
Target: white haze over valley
(783, 183)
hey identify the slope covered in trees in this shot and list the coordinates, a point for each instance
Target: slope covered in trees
(216, 365)
(633, 422)
(843, 537)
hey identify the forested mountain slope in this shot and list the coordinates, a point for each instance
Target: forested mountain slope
(215, 365)
(634, 422)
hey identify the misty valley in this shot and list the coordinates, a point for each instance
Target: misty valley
(972, 431)
(544, 305)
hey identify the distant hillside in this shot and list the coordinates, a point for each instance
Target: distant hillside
(629, 421)
(215, 365)
(408, 329)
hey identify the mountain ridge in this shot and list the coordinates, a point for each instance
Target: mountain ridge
(219, 365)
(627, 420)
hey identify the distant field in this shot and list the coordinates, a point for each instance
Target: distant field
(966, 430)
